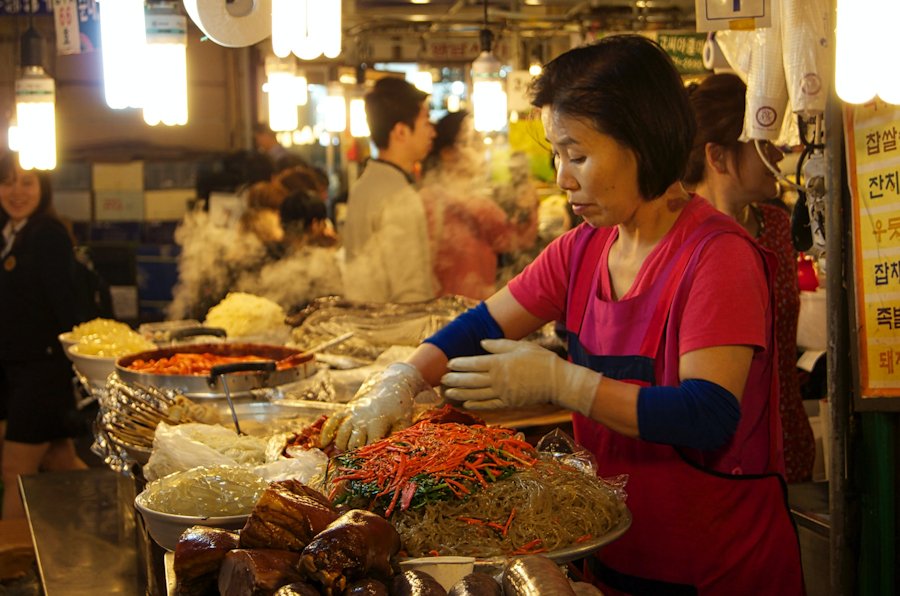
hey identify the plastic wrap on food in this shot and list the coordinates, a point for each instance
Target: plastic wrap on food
(561, 447)
(375, 326)
(186, 446)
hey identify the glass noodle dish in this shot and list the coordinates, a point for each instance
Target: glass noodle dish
(210, 491)
(455, 489)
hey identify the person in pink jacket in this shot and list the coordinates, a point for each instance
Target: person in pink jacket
(467, 228)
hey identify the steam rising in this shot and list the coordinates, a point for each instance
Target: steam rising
(216, 259)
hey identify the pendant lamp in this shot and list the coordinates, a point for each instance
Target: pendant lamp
(35, 108)
(488, 85)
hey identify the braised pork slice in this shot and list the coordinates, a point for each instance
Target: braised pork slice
(297, 589)
(287, 516)
(257, 572)
(366, 587)
(358, 544)
(416, 583)
(198, 556)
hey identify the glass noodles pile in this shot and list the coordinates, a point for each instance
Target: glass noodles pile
(453, 489)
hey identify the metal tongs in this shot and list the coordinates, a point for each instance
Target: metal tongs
(223, 370)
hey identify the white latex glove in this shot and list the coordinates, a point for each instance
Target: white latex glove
(383, 404)
(518, 373)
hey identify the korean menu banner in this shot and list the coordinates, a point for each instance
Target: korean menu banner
(873, 156)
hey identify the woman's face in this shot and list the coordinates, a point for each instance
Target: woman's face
(20, 194)
(753, 180)
(598, 173)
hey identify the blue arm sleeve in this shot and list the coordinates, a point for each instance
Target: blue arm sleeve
(463, 335)
(699, 414)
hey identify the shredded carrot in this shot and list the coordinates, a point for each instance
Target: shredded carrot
(512, 514)
(451, 459)
(584, 538)
(530, 548)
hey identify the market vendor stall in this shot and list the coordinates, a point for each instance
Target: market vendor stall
(170, 421)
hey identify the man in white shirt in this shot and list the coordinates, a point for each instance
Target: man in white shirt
(385, 235)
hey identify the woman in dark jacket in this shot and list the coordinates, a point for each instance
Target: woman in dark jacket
(38, 301)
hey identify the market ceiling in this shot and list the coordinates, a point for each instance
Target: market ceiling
(522, 15)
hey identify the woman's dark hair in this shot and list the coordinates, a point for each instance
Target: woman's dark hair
(9, 169)
(625, 86)
(391, 101)
(299, 210)
(445, 133)
(719, 103)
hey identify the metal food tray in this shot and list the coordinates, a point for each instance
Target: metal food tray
(570, 553)
(202, 386)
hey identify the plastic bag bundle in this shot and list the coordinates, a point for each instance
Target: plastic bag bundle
(767, 95)
(807, 59)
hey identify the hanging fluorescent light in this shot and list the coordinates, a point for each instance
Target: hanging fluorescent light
(165, 67)
(861, 42)
(122, 38)
(331, 27)
(359, 123)
(488, 86)
(282, 89)
(35, 108)
(422, 79)
(306, 29)
(334, 109)
(488, 94)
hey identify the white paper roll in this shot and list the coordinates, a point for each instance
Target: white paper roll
(247, 23)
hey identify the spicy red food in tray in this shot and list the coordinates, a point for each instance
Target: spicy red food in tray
(197, 364)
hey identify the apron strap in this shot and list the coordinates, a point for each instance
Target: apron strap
(587, 248)
(672, 277)
(586, 251)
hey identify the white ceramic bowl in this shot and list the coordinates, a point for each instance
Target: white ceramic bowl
(94, 368)
(67, 339)
(446, 570)
(166, 528)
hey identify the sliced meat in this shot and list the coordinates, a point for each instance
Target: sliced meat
(287, 516)
(297, 589)
(416, 583)
(476, 584)
(257, 572)
(366, 587)
(356, 545)
(198, 556)
(535, 575)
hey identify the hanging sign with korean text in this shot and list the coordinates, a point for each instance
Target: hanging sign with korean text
(873, 157)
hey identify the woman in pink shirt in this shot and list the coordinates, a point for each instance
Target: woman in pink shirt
(671, 372)
(731, 176)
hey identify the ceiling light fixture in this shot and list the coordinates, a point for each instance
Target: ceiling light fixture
(35, 108)
(122, 38)
(859, 39)
(165, 66)
(488, 89)
(285, 92)
(306, 29)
